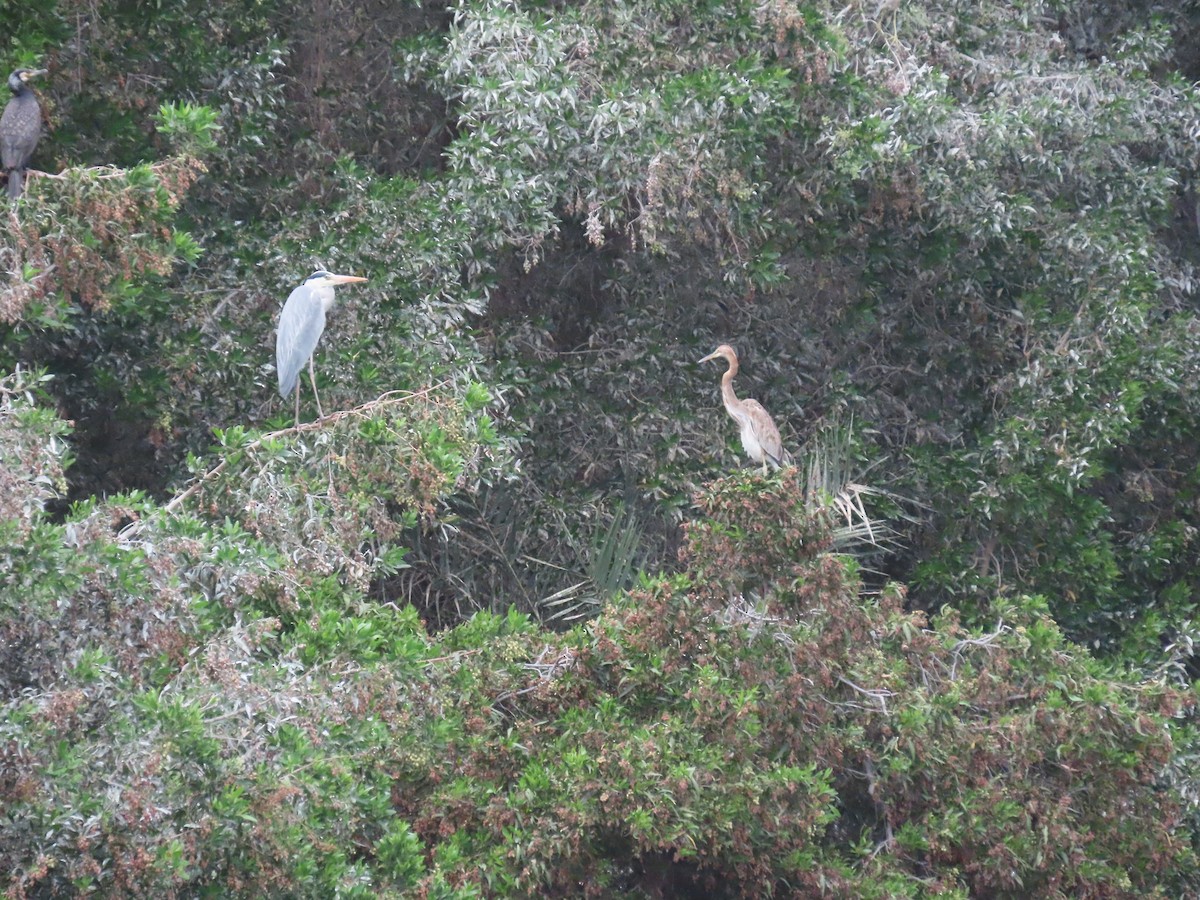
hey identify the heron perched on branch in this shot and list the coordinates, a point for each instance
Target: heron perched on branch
(20, 128)
(760, 437)
(300, 327)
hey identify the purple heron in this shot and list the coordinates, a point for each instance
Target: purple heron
(760, 437)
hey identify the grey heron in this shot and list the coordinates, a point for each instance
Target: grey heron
(300, 327)
(760, 437)
(20, 128)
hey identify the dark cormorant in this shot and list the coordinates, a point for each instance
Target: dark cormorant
(20, 128)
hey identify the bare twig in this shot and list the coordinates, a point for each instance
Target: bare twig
(211, 318)
(880, 807)
(879, 695)
(546, 668)
(456, 655)
(104, 172)
(985, 641)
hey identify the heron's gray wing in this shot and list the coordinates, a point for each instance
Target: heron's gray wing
(300, 327)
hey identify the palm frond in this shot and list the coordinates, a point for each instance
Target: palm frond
(610, 568)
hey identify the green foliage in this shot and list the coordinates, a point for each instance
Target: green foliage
(86, 240)
(36, 452)
(1033, 205)
(159, 721)
(199, 707)
(970, 229)
(189, 126)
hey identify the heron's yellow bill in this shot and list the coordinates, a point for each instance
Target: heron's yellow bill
(724, 352)
(345, 279)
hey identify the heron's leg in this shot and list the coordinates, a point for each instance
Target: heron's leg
(297, 404)
(313, 378)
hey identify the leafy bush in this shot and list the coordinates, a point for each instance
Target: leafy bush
(200, 704)
(173, 683)
(968, 229)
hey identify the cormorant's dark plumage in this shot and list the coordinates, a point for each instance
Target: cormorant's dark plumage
(20, 128)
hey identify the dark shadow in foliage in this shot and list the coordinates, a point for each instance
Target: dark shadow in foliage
(571, 288)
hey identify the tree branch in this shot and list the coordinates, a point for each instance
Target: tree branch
(383, 400)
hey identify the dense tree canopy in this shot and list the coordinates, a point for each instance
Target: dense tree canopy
(505, 623)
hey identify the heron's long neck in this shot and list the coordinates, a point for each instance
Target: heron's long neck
(728, 397)
(327, 298)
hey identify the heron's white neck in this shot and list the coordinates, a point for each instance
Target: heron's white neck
(325, 293)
